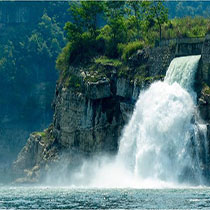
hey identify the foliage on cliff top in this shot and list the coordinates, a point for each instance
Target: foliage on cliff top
(129, 27)
(107, 61)
(117, 30)
(101, 67)
(126, 23)
(127, 50)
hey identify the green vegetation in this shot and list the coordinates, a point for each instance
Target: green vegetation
(107, 61)
(29, 47)
(46, 135)
(186, 27)
(123, 34)
(156, 15)
(101, 68)
(94, 77)
(42, 134)
(23, 49)
(206, 89)
(130, 26)
(81, 33)
(127, 50)
(62, 62)
(45, 41)
(188, 8)
(73, 81)
(25, 44)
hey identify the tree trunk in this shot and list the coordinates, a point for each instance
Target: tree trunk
(160, 31)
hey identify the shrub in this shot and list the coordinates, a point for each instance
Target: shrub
(112, 35)
(73, 81)
(79, 51)
(62, 62)
(127, 50)
(186, 27)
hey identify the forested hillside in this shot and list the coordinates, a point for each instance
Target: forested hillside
(188, 8)
(31, 37)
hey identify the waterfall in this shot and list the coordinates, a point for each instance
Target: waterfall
(182, 70)
(163, 145)
(162, 140)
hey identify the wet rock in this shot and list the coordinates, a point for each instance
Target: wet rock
(98, 90)
(124, 88)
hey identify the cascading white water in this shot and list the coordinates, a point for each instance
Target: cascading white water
(160, 140)
(182, 70)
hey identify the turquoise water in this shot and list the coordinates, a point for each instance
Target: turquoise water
(69, 198)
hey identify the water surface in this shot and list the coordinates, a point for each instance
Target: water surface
(74, 198)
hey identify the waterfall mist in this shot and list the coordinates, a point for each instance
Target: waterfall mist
(163, 145)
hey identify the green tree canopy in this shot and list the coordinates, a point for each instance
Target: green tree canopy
(84, 18)
(155, 14)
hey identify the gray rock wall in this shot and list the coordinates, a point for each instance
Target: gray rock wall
(88, 124)
(160, 59)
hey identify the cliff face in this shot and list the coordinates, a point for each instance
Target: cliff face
(85, 123)
(89, 120)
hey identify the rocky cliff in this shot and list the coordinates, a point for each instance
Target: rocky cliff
(90, 112)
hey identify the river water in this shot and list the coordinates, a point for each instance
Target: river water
(83, 198)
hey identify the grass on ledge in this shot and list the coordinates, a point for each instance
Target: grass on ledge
(46, 138)
(103, 60)
(42, 134)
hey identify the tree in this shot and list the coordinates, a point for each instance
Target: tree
(46, 41)
(84, 18)
(116, 31)
(134, 17)
(82, 32)
(155, 13)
